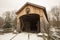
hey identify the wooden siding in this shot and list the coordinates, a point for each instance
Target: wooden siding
(32, 10)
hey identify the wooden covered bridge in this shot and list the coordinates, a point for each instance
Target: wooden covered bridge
(30, 18)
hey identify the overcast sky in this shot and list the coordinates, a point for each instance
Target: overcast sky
(9, 5)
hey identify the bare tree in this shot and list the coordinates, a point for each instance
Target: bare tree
(10, 20)
(55, 23)
(1, 22)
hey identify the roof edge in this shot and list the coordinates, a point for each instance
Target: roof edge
(28, 3)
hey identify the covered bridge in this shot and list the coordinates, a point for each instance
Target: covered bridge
(32, 13)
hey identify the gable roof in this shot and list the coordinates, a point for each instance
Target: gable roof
(40, 7)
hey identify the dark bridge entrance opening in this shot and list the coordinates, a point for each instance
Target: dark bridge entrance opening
(30, 23)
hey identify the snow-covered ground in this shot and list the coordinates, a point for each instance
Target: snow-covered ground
(6, 36)
(20, 36)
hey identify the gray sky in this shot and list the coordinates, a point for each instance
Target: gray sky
(9, 5)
